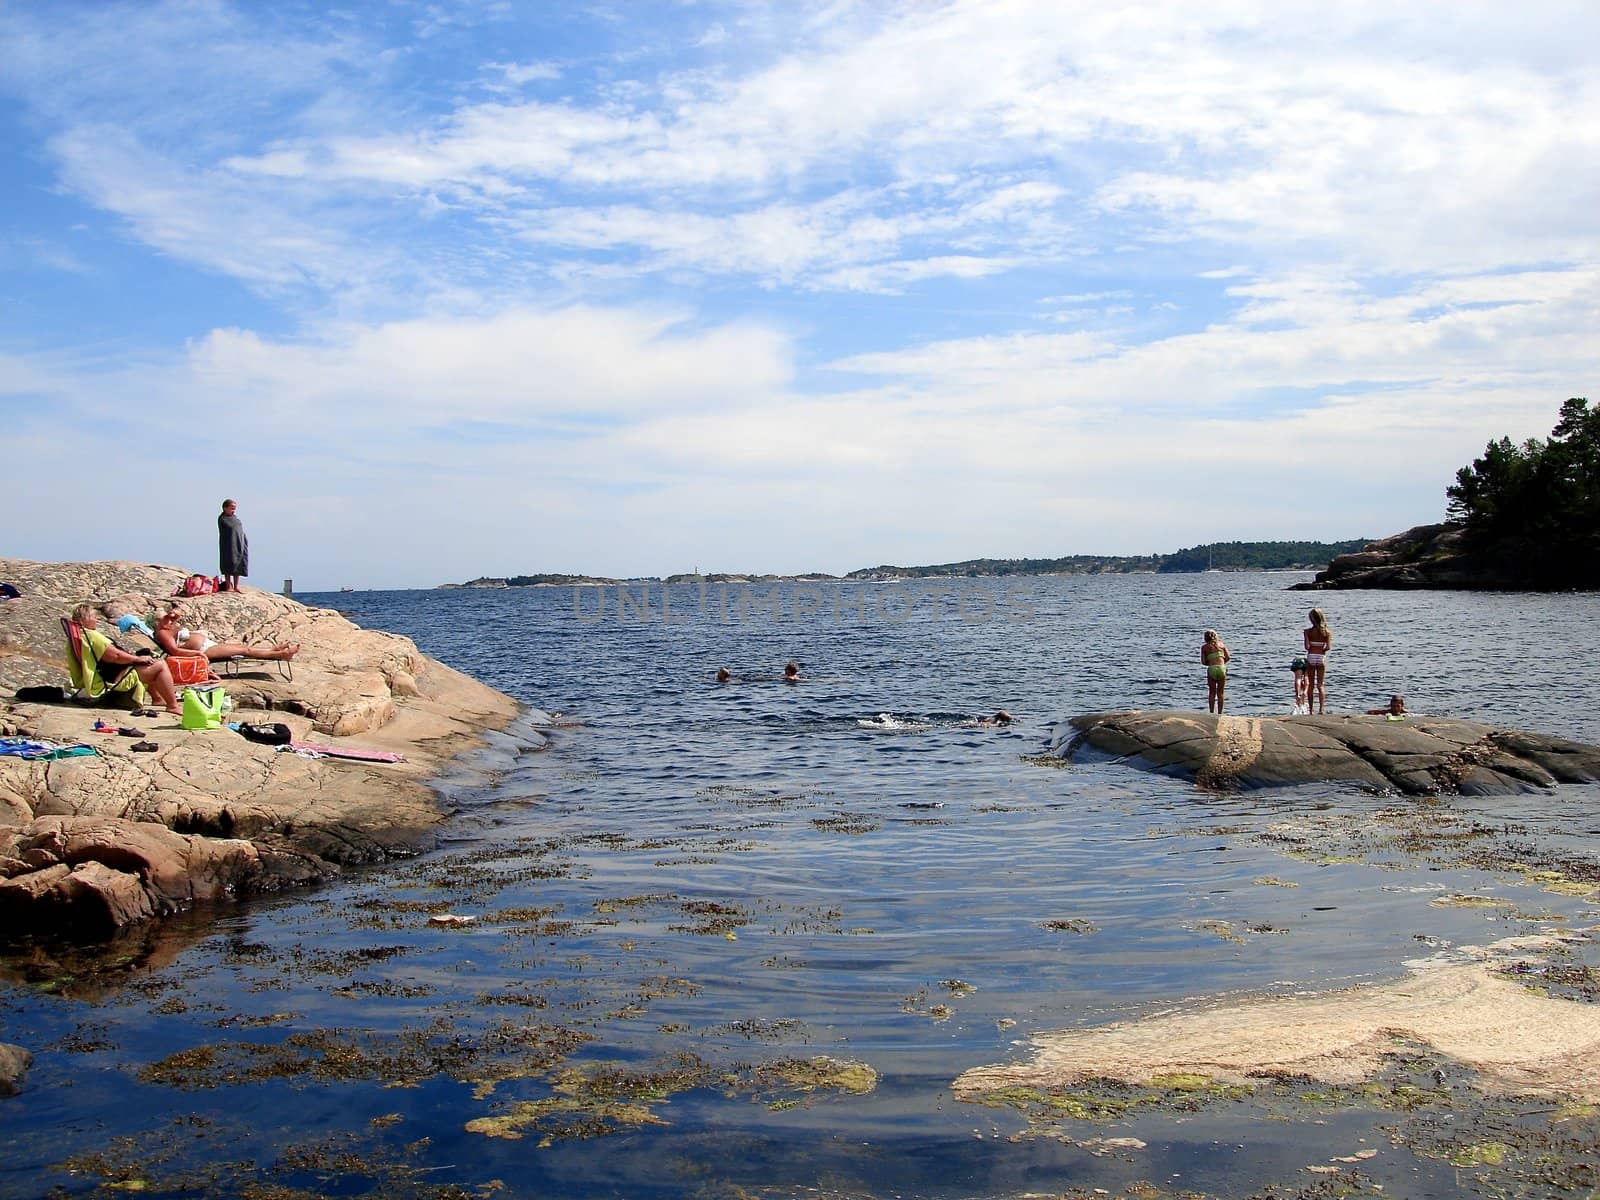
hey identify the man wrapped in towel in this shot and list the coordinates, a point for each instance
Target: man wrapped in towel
(233, 548)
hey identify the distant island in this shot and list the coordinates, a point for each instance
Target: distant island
(1213, 556)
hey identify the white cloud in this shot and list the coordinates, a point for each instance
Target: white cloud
(1360, 136)
(514, 366)
(517, 74)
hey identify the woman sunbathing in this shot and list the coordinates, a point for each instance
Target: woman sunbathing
(175, 639)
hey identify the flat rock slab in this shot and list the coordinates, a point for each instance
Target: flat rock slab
(1417, 755)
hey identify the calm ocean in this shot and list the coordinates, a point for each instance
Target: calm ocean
(706, 881)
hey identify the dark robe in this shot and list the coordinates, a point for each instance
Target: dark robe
(233, 548)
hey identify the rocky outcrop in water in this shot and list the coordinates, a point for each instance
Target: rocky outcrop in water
(1428, 556)
(1417, 755)
(91, 843)
(14, 1064)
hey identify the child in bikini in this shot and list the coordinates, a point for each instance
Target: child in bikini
(1302, 687)
(1318, 640)
(1214, 654)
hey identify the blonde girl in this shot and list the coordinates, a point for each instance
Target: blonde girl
(1319, 640)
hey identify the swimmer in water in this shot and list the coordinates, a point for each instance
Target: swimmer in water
(791, 672)
(723, 675)
(1396, 708)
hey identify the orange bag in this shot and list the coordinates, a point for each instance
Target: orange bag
(189, 668)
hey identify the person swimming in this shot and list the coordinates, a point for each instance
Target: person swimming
(1394, 710)
(791, 672)
(724, 675)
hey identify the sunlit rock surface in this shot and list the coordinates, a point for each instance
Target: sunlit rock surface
(94, 842)
(1418, 755)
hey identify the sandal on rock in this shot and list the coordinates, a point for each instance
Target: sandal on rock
(143, 747)
(129, 731)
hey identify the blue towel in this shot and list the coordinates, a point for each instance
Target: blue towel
(128, 621)
(32, 749)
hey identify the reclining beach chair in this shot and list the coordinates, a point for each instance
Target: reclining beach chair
(83, 665)
(231, 666)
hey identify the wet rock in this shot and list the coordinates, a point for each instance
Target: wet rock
(1418, 756)
(95, 898)
(14, 1064)
(116, 871)
(21, 895)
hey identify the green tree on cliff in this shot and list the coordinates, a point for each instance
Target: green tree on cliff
(1532, 512)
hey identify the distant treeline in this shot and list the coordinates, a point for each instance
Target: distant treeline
(1531, 513)
(1259, 556)
(536, 580)
(1221, 556)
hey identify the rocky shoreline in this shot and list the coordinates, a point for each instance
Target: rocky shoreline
(89, 844)
(1427, 556)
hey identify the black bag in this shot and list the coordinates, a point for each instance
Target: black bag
(42, 694)
(273, 733)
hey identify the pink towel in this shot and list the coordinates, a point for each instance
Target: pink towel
(384, 756)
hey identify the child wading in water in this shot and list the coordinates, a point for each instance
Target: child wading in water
(1302, 687)
(1319, 640)
(1214, 654)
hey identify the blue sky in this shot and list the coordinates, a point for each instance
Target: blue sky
(448, 289)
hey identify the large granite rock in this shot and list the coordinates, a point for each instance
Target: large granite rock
(1418, 755)
(94, 842)
(1428, 556)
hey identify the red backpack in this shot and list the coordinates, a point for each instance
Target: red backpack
(197, 585)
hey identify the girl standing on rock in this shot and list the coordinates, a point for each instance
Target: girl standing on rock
(1319, 640)
(1214, 654)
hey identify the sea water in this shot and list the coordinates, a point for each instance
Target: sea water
(697, 887)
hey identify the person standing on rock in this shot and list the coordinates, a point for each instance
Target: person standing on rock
(1319, 640)
(1214, 654)
(233, 548)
